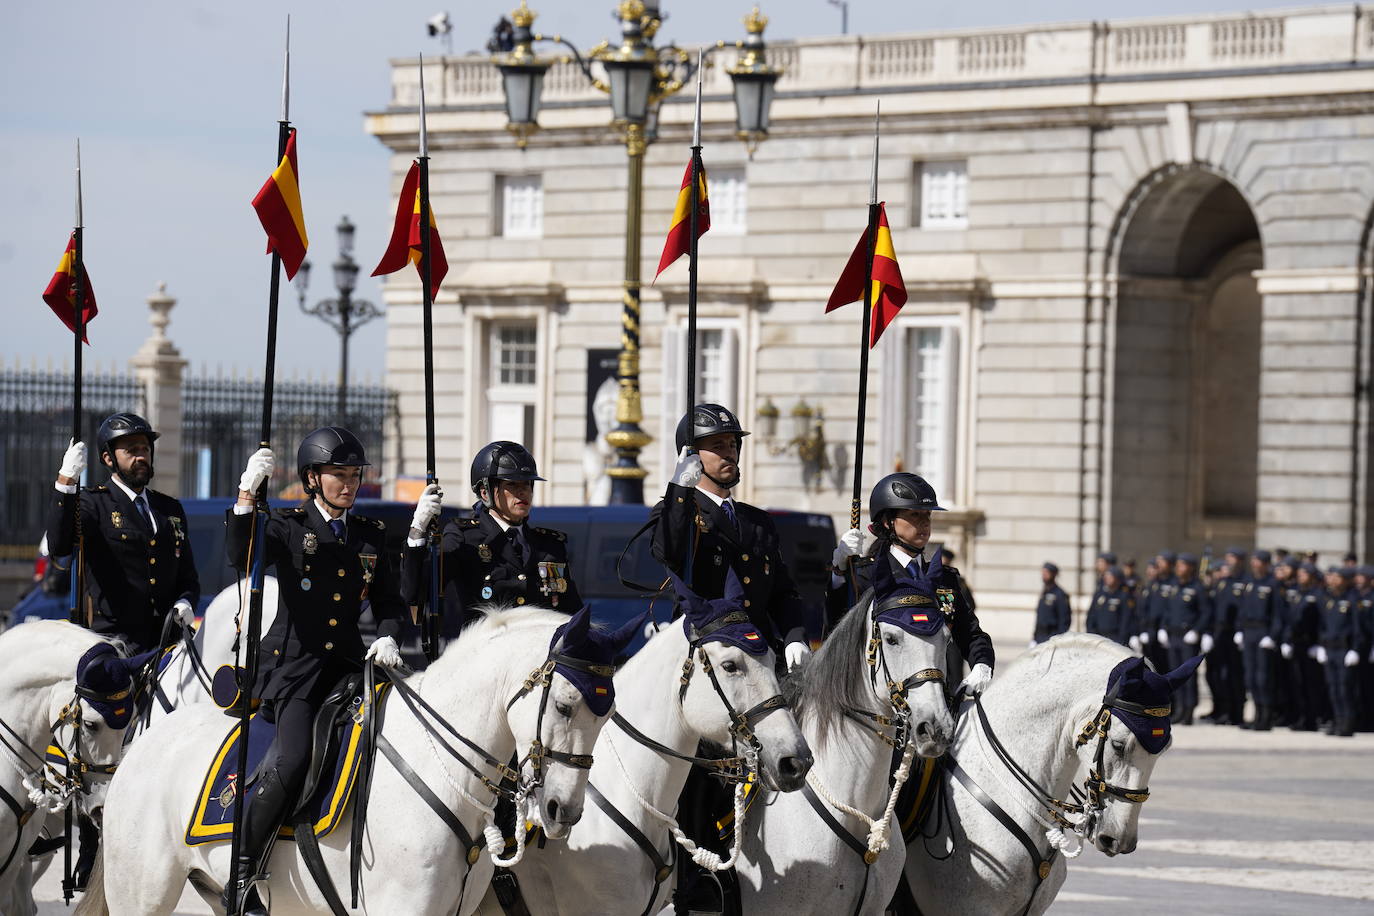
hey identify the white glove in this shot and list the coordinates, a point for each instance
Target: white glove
(1145, 638)
(1312, 652)
(186, 615)
(1190, 638)
(1267, 642)
(385, 652)
(795, 653)
(1134, 643)
(1352, 658)
(1163, 636)
(427, 508)
(851, 545)
(1321, 654)
(1238, 639)
(1207, 643)
(259, 468)
(73, 461)
(1286, 650)
(688, 470)
(1033, 644)
(977, 680)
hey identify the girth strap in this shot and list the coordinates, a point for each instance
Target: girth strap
(309, 847)
(1040, 867)
(471, 850)
(22, 815)
(661, 867)
(843, 833)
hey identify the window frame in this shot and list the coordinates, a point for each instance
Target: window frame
(921, 175)
(501, 210)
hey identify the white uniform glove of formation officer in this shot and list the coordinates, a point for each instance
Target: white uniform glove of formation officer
(74, 461)
(427, 508)
(1352, 658)
(1321, 654)
(1238, 639)
(688, 470)
(259, 468)
(1207, 643)
(385, 652)
(1163, 637)
(851, 545)
(1286, 650)
(1267, 642)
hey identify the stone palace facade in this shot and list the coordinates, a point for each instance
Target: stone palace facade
(1137, 255)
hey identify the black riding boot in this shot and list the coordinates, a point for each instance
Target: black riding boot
(260, 825)
(89, 835)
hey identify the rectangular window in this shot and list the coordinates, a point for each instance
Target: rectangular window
(519, 206)
(939, 192)
(929, 425)
(728, 192)
(512, 357)
(717, 375)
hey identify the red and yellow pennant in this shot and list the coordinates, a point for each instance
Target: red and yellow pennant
(889, 290)
(404, 247)
(679, 242)
(279, 210)
(61, 292)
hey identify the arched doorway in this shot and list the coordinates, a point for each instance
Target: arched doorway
(1183, 377)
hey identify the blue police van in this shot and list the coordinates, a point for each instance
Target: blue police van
(597, 536)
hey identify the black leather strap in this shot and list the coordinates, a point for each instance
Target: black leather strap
(470, 849)
(725, 766)
(1039, 866)
(843, 833)
(661, 867)
(309, 848)
(23, 817)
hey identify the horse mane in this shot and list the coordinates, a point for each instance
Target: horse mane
(45, 652)
(834, 678)
(496, 620)
(1038, 662)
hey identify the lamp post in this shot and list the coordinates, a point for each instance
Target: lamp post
(638, 76)
(344, 314)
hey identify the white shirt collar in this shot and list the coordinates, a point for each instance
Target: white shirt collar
(324, 514)
(718, 500)
(504, 525)
(904, 558)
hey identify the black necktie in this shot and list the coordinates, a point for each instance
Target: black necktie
(337, 526)
(517, 543)
(729, 507)
(147, 515)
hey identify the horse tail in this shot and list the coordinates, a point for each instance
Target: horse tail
(93, 899)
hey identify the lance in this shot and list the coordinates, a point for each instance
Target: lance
(248, 672)
(431, 623)
(693, 222)
(75, 613)
(872, 239)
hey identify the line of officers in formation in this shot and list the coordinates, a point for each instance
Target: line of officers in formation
(1299, 641)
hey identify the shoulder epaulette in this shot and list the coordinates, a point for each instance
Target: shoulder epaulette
(298, 512)
(374, 522)
(98, 488)
(549, 532)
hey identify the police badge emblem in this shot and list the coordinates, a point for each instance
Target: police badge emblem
(116, 519)
(226, 795)
(484, 554)
(310, 543)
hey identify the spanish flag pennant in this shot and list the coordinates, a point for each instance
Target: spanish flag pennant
(404, 247)
(679, 242)
(61, 292)
(889, 290)
(279, 210)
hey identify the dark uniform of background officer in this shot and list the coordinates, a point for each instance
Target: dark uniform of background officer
(700, 532)
(137, 552)
(1225, 678)
(1053, 615)
(1258, 619)
(1301, 701)
(1341, 642)
(327, 561)
(1186, 616)
(1111, 611)
(491, 555)
(899, 510)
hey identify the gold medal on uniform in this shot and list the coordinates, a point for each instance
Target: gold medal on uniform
(946, 597)
(310, 543)
(116, 519)
(484, 552)
(369, 564)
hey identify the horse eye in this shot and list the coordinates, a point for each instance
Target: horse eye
(1119, 746)
(564, 710)
(891, 639)
(729, 667)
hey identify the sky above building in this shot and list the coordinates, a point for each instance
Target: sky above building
(175, 103)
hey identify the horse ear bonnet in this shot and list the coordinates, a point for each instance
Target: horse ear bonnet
(906, 598)
(1133, 681)
(104, 681)
(579, 640)
(720, 619)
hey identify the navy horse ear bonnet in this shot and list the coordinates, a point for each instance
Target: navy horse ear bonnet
(579, 642)
(1150, 698)
(720, 619)
(105, 681)
(907, 598)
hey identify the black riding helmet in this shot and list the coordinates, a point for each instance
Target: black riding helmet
(328, 445)
(707, 420)
(902, 490)
(502, 460)
(117, 426)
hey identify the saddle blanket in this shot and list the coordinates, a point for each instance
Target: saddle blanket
(212, 821)
(915, 798)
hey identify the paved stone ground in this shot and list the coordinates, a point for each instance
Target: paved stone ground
(1237, 823)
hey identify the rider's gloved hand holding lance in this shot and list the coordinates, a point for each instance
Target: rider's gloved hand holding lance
(328, 562)
(899, 510)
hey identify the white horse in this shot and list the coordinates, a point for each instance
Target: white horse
(1046, 715)
(850, 704)
(600, 870)
(38, 707)
(412, 862)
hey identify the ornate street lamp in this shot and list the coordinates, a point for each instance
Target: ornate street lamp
(638, 77)
(344, 314)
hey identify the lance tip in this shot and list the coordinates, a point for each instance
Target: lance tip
(286, 76)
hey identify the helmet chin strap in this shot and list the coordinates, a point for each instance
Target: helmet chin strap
(718, 482)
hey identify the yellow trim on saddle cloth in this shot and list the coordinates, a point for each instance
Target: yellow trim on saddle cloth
(726, 825)
(342, 791)
(912, 817)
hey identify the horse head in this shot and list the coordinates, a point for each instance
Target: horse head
(560, 722)
(735, 700)
(906, 652)
(89, 728)
(1121, 745)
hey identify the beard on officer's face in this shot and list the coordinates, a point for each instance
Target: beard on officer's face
(135, 472)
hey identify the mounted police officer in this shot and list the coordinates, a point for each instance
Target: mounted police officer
(701, 532)
(899, 510)
(492, 554)
(1341, 639)
(1258, 620)
(1053, 615)
(1187, 615)
(138, 563)
(1111, 610)
(328, 561)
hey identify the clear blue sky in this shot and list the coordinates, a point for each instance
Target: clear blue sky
(175, 102)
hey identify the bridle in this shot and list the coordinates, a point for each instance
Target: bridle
(77, 769)
(897, 691)
(1095, 787)
(542, 677)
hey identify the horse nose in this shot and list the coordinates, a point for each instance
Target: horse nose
(792, 771)
(1107, 844)
(933, 735)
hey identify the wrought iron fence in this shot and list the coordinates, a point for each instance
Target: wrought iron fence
(220, 428)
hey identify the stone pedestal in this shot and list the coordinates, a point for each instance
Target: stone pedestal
(158, 366)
